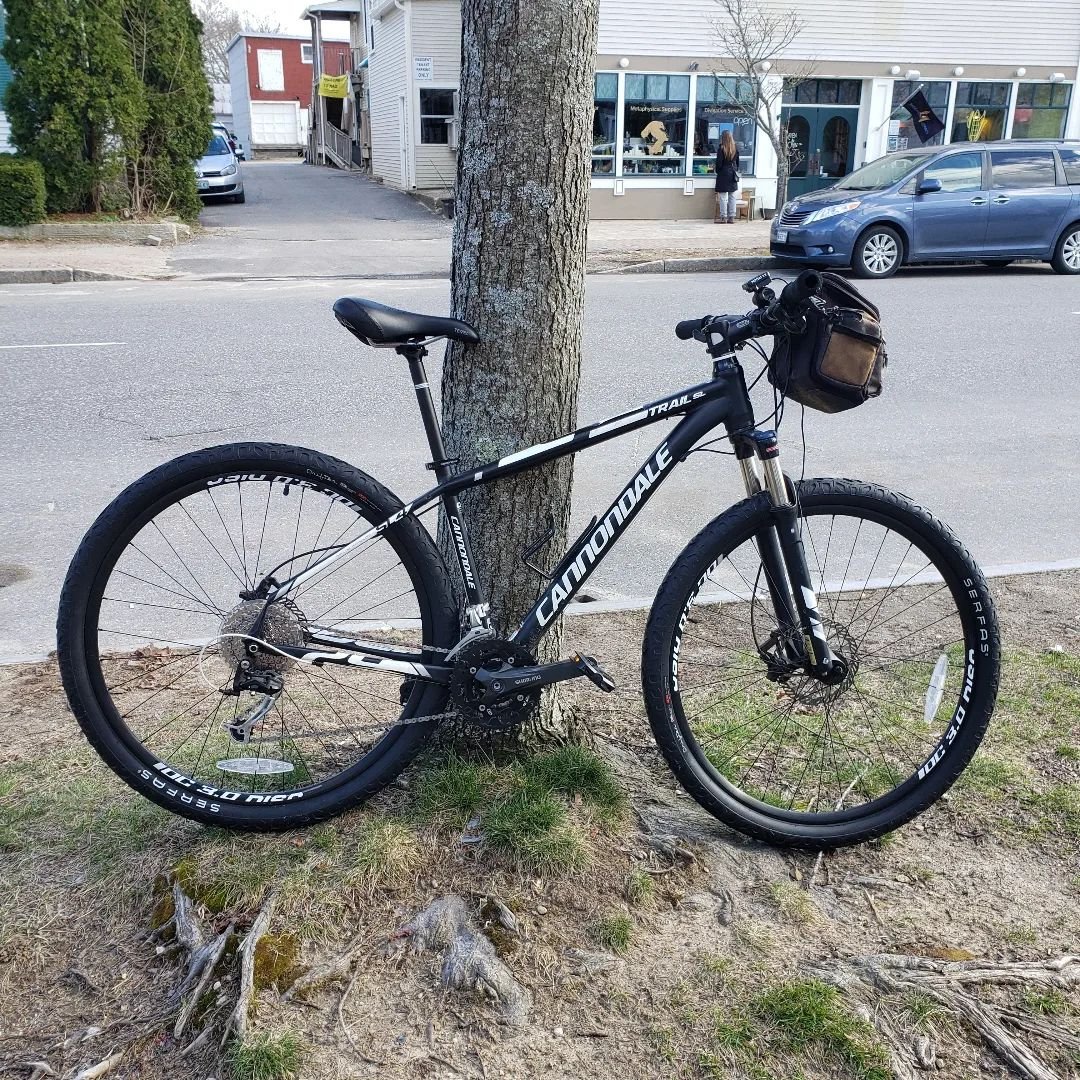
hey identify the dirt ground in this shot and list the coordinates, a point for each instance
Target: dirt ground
(690, 986)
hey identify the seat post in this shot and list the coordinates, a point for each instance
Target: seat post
(476, 610)
(415, 352)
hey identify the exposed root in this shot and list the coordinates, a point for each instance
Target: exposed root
(237, 1023)
(102, 1067)
(209, 965)
(950, 984)
(338, 968)
(469, 960)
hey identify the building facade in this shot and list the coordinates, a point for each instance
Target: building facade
(271, 88)
(664, 97)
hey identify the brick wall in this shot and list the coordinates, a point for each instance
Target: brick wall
(297, 74)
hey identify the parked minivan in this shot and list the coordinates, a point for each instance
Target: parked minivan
(991, 202)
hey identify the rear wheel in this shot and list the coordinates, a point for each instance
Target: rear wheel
(1066, 258)
(878, 253)
(150, 636)
(772, 751)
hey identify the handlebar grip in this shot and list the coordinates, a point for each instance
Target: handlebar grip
(797, 292)
(685, 330)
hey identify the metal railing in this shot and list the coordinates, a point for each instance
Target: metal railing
(338, 146)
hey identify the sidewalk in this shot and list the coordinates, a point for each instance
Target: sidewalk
(304, 223)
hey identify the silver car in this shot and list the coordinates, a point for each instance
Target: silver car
(217, 172)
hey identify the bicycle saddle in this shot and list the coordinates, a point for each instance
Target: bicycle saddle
(377, 324)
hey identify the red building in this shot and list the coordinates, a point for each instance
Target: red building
(270, 76)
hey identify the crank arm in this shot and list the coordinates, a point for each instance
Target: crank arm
(502, 684)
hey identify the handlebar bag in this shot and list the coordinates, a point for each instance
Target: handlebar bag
(839, 360)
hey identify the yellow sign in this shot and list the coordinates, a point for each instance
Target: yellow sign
(335, 86)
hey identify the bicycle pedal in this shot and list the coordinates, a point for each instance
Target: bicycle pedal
(595, 673)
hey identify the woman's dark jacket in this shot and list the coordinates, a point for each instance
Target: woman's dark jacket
(727, 172)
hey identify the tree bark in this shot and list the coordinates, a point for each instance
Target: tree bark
(521, 214)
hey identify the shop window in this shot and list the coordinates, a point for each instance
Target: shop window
(605, 120)
(1071, 160)
(715, 114)
(1041, 109)
(436, 108)
(902, 134)
(980, 111)
(798, 142)
(1022, 169)
(958, 172)
(822, 92)
(654, 125)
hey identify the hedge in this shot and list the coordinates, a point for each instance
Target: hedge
(22, 191)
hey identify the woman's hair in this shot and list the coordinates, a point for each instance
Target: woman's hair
(727, 146)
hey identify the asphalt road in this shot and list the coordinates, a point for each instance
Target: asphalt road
(101, 382)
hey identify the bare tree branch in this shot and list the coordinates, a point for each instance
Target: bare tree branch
(221, 23)
(752, 43)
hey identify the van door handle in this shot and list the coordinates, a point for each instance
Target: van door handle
(1001, 200)
(978, 201)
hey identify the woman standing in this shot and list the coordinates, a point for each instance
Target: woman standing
(727, 180)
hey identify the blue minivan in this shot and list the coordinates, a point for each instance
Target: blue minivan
(991, 202)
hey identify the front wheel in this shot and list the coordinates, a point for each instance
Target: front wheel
(773, 751)
(153, 624)
(878, 253)
(1066, 258)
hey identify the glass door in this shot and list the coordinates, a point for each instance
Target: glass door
(821, 117)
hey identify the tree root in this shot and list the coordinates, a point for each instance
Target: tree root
(950, 984)
(469, 960)
(205, 953)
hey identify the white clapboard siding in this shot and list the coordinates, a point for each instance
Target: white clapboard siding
(389, 80)
(436, 31)
(5, 135)
(904, 32)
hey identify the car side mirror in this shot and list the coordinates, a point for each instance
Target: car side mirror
(928, 187)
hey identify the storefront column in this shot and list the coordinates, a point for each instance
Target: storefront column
(1072, 124)
(879, 110)
(765, 164)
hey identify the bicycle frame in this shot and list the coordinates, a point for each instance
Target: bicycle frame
(722, 401)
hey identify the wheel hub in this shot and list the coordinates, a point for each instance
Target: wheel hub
(494, 655)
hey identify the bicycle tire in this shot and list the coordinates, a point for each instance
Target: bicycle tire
(815, 830)
(80, 657)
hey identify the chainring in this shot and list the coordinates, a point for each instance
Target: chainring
(466, 693)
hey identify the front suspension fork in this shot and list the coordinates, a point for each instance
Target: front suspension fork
(801, 641)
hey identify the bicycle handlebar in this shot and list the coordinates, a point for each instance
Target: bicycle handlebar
(760, 322)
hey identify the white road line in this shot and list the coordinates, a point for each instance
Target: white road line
(65, 345)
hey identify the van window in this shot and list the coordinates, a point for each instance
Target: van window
(957, 172)
(1022, 168)
(1071, 160)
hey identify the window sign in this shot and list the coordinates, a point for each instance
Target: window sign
(654, 125)
(424, 68)
(715, 113)
(1041, 109)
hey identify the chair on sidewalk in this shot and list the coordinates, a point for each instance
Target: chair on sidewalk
(747, 204)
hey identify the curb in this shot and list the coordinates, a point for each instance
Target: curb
(60, 275)
(132, 232)
(715, 264)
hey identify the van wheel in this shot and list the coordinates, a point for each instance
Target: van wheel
(878, 253)
(1066, 258)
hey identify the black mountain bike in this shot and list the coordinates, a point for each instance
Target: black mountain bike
(259, 636)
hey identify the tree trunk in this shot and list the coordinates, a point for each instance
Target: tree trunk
(518, 275)
(783, 170)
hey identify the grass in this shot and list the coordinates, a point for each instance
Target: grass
(526, 808)
(265, 1057)
(640, 887)
(1021, 935)
(808, 1014)
(794, 903)
(923, 1013)
(1049, 1002)
(614, 932)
